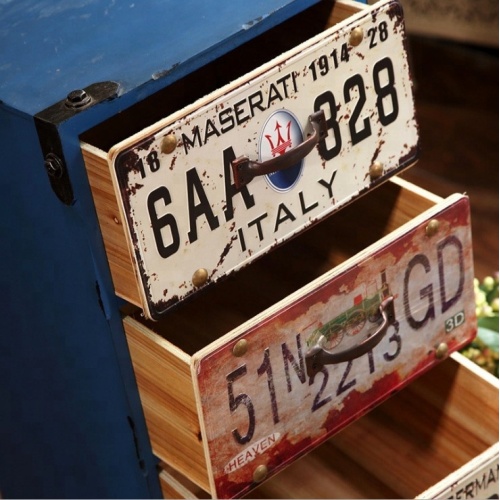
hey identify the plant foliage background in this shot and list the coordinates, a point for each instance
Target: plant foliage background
(484, 348)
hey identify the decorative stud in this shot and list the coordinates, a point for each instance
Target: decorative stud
(200, 277)
(240, 348)
(260, 473)
(441, 350)
(432, 227)
(376, 170)
(168, 144)
(356, 36)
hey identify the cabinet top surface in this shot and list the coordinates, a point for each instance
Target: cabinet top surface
(49, 48)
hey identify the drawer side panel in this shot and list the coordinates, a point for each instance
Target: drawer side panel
(120, 263)
(167, 396)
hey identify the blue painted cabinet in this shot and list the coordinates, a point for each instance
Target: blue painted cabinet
(71, 423)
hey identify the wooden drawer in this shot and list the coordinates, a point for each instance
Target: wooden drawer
(437, 438)
(319, 125)
(225, 412)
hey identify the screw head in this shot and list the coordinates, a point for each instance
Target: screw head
(54, 166)
(77, 99)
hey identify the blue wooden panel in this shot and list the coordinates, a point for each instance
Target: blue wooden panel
(50, 47)
(70, 420)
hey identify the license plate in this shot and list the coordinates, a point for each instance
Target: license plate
(263, 404)
(197, 203)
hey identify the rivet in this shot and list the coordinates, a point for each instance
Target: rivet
(376, 170)
(356, 36)
(200, 277)
(441, 350)
(260, 473)
(240, 348)
(432, 227)
(168, 144)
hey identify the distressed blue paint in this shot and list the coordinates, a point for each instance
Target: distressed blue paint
(66, 396)
(48, 48)
(67, 391)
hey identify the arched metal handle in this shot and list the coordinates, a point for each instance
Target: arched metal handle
(317, 357)
(244, 169)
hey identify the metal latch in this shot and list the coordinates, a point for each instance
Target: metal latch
(47, 123)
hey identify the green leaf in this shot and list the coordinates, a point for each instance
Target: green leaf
(488, 337)
(489, 322)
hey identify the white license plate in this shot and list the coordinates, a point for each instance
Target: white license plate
(264, 404)
(188, 222)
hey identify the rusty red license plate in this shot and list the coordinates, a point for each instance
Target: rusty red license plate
(219, 183)
(301, 371)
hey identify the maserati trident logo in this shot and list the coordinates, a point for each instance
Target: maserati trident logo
(281, 145)
(281, 133)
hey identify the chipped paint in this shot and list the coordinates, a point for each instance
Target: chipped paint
(253, 22)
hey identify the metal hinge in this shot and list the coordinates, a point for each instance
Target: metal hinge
(47, 123)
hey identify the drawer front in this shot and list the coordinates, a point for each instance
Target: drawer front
(476, 479)
(214, 186)
(291, 377)
(422, 428)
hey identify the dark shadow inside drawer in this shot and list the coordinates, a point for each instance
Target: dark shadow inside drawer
(230, 302)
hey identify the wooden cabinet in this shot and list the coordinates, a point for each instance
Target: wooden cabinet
(252, 352)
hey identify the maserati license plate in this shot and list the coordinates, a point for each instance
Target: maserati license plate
(221, 182)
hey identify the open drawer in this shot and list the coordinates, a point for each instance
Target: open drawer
(221, 179)
(251, 375)
(439, 434)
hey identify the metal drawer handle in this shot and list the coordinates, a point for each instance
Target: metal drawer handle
(317, 357)
(244, 169)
